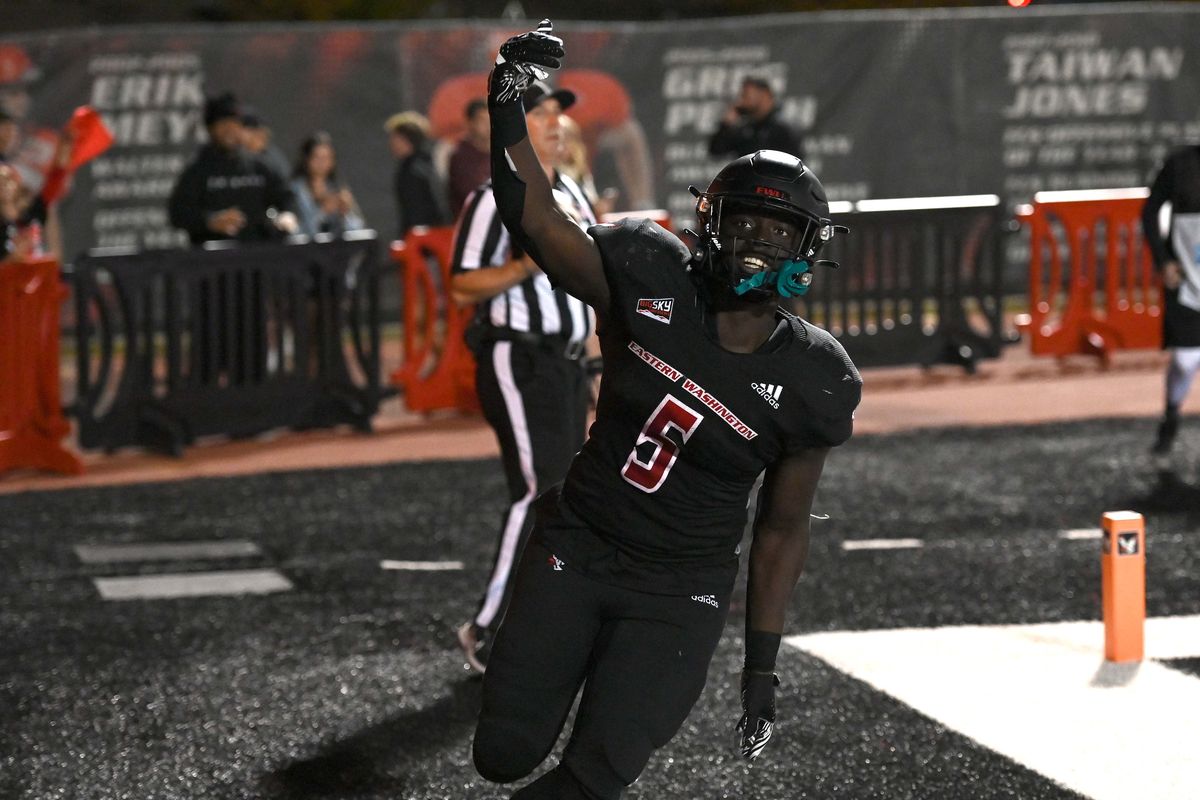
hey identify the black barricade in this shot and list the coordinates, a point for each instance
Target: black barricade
(177, 344)
(916, 286)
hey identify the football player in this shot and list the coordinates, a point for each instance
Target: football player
(625, 583)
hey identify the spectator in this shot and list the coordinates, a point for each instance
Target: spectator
(224, 193)
(323, 203)
(752, 123)
(258, 140)
(420, 195)
(29, 223)
(13, 214)
(577, 164)
(34, 150)
(470, 163)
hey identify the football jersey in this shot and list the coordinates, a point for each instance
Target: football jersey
(684, 427)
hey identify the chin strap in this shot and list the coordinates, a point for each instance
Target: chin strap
(792, 279)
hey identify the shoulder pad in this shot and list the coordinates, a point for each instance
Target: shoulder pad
(636, 243)
(834, 387)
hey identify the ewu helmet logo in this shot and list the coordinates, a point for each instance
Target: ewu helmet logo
(768, 191)
(657, 308)
(771, 392)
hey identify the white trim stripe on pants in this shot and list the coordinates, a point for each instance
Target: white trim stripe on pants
(515, 521)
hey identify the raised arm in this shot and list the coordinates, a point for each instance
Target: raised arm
(524, 196)
(777, 557)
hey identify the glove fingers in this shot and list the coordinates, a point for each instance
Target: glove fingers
(545, 53)
(754, 736)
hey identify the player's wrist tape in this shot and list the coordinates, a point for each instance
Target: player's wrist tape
(761, 650)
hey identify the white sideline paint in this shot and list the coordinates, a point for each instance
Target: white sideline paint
(1077, 195)
(192, 584)
(881, 544)
(165, 551)
(422, 566)
(1044, 696)
(923, 203)
(1081, 533)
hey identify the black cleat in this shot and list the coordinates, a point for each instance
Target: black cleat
(1165, 437)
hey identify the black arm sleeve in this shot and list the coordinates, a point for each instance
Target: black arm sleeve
(508, 128)
(1162, 190)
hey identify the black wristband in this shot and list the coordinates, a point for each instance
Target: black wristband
(761, 650)
(508, 122)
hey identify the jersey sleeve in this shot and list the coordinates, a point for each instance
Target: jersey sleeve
(832, 389)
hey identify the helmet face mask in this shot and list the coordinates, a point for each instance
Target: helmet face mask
(747, 193)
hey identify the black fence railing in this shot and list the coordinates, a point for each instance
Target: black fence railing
(921, 282)
(177, 344)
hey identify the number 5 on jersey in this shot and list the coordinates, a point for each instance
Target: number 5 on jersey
(649, 475)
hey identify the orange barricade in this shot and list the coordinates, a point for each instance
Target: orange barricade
(1092, 285)
(438, 370)
(32, 425)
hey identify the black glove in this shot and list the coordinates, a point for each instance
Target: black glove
(758, 707)
(522, 60)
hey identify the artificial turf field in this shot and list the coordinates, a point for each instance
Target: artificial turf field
(349, 684)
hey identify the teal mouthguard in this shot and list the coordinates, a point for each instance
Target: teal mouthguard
(792, 279)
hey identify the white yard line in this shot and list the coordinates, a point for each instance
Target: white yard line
(422, 566)
(1081, 533)
(192, 584)
(165, 551)
(1044, 696)
(881, 544)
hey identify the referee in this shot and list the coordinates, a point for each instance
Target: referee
(528, 339)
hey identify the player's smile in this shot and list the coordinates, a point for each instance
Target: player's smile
(754, 264)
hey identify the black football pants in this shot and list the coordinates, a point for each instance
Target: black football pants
(536, 401)
(642, 660)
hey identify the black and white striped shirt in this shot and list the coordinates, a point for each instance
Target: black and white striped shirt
(532, 306)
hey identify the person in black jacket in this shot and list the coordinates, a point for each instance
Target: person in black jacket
(420, 193)
(1175, 257)
(752, 123)
(224, 193)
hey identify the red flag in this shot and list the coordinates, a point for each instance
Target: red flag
(92, 136)
(89, 138)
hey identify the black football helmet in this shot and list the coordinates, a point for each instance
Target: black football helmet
(773, 184)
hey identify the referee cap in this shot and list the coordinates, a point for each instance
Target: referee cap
(540, 90)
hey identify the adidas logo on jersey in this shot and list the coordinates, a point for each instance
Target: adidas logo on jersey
(769, 391)
(706, 598)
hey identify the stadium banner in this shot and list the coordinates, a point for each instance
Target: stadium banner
(888, 104)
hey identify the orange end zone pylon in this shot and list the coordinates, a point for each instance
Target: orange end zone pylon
(1123, 578)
